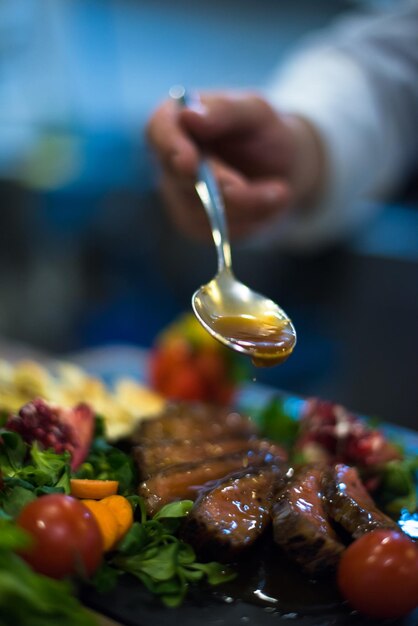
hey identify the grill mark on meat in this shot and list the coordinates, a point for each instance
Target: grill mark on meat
(231, 515)
(152, 457)
(194, 421)
(348, 502)
(183, 481)
(301, 526)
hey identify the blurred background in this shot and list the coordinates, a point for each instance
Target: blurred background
(87, 256)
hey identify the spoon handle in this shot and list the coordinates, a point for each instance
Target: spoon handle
(208, 191)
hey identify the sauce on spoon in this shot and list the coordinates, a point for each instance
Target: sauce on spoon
(268, 340)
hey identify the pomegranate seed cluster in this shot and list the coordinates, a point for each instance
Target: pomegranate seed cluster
(343, 436)
(39, 421)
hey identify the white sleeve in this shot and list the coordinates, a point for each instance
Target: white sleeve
(359, 88)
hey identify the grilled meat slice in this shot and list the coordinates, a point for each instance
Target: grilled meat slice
(232, 514)
(301, 526)
(152, 457)
(183, 481)
(194, 421)
(348, 502)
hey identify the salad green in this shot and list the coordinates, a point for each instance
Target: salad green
(398, 491)
(106, 462)
(27, 598)
(28, 472)
(152, 552)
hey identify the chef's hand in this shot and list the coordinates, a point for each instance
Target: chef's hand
(265, 163)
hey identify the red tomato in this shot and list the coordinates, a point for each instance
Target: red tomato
(378, 574)
(212, 369)
(211, 366)
(185, 384)
(224, 394)
(166, 359)
(158, 369)
(180, 374)
(66, 536)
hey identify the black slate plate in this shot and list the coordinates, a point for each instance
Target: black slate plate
(130, 604)
(268, 590)
(263, 577)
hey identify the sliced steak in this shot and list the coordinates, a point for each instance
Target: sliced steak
(194, 421)
(152, 457)
(301, 526)
(348, 502)
(183, 481)
(232, 514)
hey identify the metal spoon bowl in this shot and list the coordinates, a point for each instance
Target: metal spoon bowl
(231, 312)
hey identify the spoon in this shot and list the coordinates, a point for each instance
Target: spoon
(231, 312)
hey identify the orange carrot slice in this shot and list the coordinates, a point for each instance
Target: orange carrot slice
(122, 510)
(93, 489)
(106, 521)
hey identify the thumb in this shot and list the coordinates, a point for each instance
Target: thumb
(216, 116)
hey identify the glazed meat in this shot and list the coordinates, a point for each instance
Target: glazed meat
(231, 515)
(152, 457)
(239, 484)
(183, 481)
(194, 421)
(348, 502)
(301, 526)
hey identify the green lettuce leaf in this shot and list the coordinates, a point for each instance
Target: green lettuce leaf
(152, 552)
(105, 462)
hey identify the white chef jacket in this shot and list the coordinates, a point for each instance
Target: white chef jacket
(358, 85)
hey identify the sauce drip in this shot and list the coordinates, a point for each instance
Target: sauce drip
(269, 340)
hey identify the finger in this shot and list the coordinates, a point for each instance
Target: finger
(224, 114)
(249, 204)
(243, 230)
(171, 143)
(248, 198)
(247, 227)
(257, 200)
(185, 206)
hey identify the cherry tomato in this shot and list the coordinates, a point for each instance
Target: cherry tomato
(211, 366)
(224, 394)
(159, 368)
(378, 574)
(166, 359)
(185, 383)
(66, 537)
